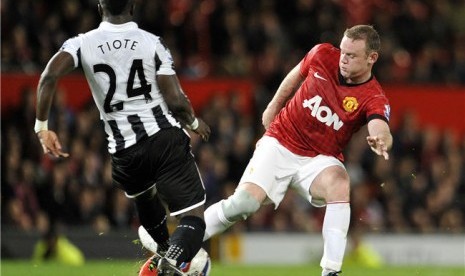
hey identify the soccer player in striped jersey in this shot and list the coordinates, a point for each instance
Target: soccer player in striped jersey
(144, 109)
(319, 105)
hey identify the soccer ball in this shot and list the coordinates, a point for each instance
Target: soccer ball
(199, 266)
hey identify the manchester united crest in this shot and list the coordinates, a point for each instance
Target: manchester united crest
(350, 104)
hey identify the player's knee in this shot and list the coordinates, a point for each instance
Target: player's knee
(240, 205)
(338, 191)
(333, 184)
(145, 196)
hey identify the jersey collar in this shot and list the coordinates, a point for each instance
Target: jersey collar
(342, 81)
(118, 27)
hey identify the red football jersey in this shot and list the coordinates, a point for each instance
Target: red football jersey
(325, 111)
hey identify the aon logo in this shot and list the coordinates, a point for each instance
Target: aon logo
(323, 113)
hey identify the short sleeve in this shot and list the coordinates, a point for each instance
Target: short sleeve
(73, 46)
(378, 108)
(163, 59)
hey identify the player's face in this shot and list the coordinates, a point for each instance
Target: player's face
(354, 63)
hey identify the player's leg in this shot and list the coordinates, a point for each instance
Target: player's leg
(223, 214)
(133, 171)
(180, 186)
(187, 238)
(245, 201)
(152, 216)
(332, 184)
(266, 177)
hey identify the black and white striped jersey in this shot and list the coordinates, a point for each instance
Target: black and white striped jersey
(121, 63)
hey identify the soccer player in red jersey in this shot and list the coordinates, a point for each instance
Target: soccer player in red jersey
(317, 108)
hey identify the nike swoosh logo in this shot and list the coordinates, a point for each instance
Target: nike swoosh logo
(316, 75)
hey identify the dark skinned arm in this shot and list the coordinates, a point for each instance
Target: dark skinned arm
(59, 65)
(180, 106)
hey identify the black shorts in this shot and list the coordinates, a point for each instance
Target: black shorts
(164, 159)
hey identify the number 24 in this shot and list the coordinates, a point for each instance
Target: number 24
(136, 67)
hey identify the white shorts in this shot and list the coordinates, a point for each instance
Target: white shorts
(276, 169)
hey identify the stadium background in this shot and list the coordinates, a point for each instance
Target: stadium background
(231, 56)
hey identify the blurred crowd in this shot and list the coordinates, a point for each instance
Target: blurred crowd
(423, 40)
(420, 189)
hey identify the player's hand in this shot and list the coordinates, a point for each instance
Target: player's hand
(203, 130)
(50, 143)
(378, 146)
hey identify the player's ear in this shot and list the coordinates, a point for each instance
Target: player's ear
(99, 8)
(373, 57)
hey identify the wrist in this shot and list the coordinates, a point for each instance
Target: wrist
(194, 125)
(40, 125)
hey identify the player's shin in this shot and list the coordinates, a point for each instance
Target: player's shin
(152, 216)
(186, 240)
(335, 227)
(215, 221)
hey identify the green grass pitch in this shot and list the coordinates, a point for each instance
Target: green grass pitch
(130, 268)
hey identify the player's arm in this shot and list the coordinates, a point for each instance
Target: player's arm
(180, 105)
(59, 65)
(285, 90)
(380, 138)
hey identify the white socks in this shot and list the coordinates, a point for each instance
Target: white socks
(335, 227)
(215, 220)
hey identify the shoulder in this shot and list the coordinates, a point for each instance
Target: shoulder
(322, 52)
(80, 38)
(148, 35)
(324, 48)
(376, 88)
(72, 44)
(322, 55)
(91, 33)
